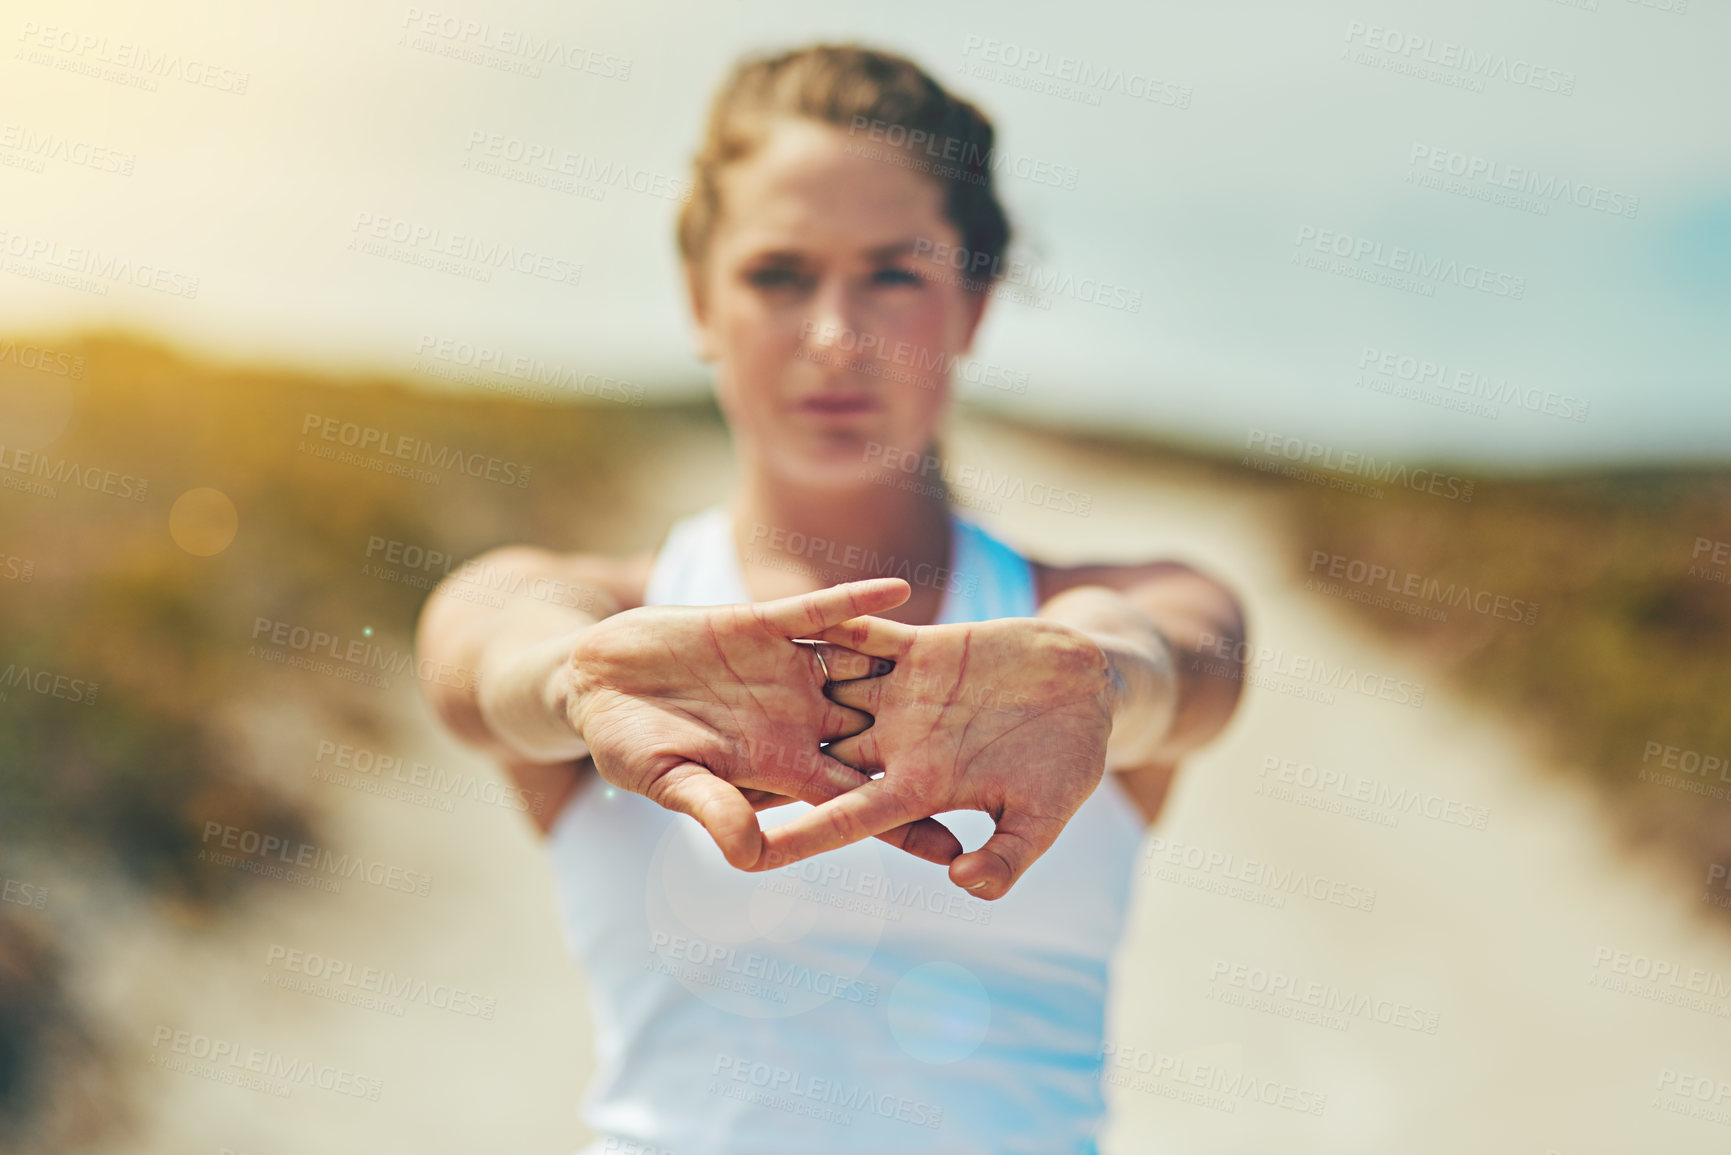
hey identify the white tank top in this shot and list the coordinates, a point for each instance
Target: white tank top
(855, 1002)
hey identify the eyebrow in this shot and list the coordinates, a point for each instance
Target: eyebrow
(880, 253)
(898, 249)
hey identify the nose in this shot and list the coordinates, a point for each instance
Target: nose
(832, 323)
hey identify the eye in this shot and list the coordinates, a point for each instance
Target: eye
(896, 275)
(775, 277)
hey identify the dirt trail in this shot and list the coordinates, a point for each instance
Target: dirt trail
(1370, 926)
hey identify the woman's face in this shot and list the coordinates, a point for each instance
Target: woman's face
(828, 309)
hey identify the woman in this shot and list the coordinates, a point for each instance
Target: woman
(805, 986)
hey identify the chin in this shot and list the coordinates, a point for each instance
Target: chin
(834, 460)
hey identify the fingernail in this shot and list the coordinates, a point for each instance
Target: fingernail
(881, 666)
(980, 884)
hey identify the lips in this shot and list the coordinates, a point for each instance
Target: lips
(840, 403)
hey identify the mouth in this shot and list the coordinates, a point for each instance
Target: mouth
(839, 403)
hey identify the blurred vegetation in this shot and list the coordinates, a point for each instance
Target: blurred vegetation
(118, 790)
(1632, 639)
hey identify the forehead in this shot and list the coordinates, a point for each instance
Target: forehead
(810, 185)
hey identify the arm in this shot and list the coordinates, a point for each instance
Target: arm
(711, 711)
(1020, 717)
(512, 617)
(1159, 625)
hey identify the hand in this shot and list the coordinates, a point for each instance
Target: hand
(691, 706)
(1010, 716)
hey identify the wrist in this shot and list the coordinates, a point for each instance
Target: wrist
(1141, 696)
(566, 694)
(524, 700)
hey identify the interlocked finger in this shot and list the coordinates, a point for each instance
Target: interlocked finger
(865, 695)
(840, 722)
(872, 809)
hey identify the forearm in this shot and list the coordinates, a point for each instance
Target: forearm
(520, 652)
(1165, 703)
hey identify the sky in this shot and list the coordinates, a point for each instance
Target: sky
(1494, 231)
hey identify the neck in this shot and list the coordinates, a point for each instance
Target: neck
(794, 540)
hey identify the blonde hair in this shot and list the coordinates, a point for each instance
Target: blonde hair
(883, 99)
